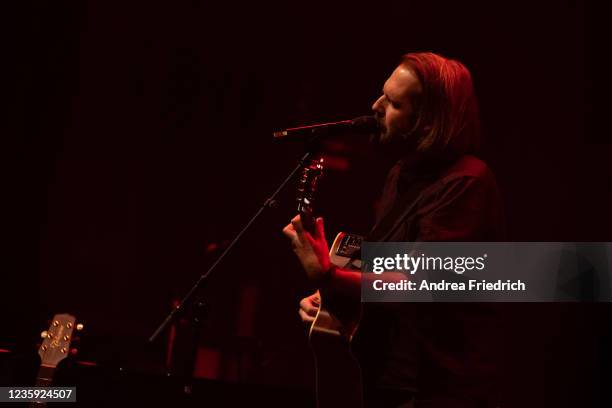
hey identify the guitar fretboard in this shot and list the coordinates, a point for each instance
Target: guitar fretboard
(45, 376)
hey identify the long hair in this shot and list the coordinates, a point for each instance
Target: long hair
(446, 120)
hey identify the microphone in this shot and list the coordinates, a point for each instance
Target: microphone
(362, 124)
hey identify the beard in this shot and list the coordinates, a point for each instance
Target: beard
(394, 145)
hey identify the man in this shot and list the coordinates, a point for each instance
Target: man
(423, 355)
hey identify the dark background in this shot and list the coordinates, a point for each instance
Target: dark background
(138, 133)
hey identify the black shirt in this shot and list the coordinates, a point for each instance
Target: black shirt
(437, 351)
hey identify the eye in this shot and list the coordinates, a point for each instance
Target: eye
(394, 104)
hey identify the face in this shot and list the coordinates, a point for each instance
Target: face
(394, 109)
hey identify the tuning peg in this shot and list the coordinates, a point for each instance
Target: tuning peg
(44, 334)
(79, 326)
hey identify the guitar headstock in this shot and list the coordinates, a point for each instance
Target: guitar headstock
(57, 339)
(307, 187)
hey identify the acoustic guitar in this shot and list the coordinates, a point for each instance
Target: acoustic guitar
(338, 375)
(55, 347)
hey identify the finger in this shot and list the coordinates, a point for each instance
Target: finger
(295, 244)
(308, 307)
(289, 232)
(321, 230)
(306, 318)
(311, 241)
(297, 224)
(316, 299)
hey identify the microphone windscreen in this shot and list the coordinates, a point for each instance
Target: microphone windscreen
(366, 124)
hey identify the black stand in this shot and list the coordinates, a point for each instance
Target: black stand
(270, 202)
(199, 314)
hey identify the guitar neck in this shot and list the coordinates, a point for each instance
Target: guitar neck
(308, 221)
(43, 379)
(45, 376)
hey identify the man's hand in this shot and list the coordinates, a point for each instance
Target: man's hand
(309, 306)
(311, 250)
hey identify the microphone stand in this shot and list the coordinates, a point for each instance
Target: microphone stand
(270, 202)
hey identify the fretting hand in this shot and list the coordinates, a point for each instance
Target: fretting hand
(311, 249)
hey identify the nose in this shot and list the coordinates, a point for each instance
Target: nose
(378, 107)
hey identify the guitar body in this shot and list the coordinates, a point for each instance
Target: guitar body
(338, 374)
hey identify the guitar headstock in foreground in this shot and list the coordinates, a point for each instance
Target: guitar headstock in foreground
(57, 339)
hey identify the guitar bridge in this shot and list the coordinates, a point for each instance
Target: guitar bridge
(350, 246)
